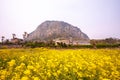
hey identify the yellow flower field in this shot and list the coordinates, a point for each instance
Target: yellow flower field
(62, 64)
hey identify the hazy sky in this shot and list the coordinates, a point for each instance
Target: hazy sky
(96, 18)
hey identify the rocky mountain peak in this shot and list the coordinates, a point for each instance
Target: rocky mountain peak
(57, 30)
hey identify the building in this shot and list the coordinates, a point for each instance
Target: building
(16, 41)
(71, 41)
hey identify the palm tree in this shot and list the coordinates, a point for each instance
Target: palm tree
(25, 35)
(13, 35)
(2, 38)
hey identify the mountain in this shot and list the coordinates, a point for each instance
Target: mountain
(58, 31)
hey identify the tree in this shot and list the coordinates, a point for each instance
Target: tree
(110, 40)
(2, 38)
(93, 42)
(7, 41)
(14, 35)
(25, 35)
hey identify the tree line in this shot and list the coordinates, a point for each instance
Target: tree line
(94, 43)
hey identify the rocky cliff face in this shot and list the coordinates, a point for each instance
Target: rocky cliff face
(57, 30)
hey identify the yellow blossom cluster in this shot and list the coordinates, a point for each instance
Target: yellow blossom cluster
(61, 64)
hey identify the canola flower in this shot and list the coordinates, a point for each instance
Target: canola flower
(25, 78)
(50, 64)
(11, 63)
